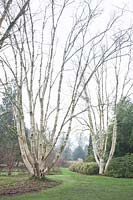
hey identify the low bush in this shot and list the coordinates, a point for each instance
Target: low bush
(89, 168)
(90, 159)
(121, 167)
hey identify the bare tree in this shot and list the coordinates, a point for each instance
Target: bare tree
(43, 63)
(10, 12)
(8, 18)
(111, 83)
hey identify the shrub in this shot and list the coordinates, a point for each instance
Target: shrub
(90, 159)
(90, 168)
(121, 167)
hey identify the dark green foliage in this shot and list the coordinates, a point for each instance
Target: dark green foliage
(124, 142)
(90, 148)
(90, 157)
(9, 147)
(90, 168)
(121, 167)
(78, 153)
(124, 128)
(131, 142)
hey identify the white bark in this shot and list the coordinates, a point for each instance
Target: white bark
(4, 18)
(43, 135)
(98, 114)
(101, 166)
(112, 150)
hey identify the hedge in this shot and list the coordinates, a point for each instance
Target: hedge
(89, 168)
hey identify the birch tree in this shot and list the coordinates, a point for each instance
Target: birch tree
(111, 83)
(10, 12)
(47, 70)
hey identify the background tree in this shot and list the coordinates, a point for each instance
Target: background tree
(9, 147)
(90, 154)
(131, 142)
(90, 148)
(78, 153)
(102, 100)
(124, 128)
(67, 153)
(124, 142)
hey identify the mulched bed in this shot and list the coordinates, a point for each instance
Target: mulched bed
(30, 185)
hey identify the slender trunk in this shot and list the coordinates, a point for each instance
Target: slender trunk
(25, 153)
(114, 137)
(101, 166)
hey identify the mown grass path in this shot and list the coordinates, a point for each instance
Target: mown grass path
(80, 187)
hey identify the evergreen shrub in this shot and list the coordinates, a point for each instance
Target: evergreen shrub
(89, 168)
(121, 167)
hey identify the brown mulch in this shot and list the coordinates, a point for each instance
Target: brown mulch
(29, 185)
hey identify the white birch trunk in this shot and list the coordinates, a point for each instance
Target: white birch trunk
(25, 153)
(114, 137)
(101, 166)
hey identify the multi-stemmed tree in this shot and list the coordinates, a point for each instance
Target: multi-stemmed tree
(111, 83)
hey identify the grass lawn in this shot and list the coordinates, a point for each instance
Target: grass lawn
(80, 187)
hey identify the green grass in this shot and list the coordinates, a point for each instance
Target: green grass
(14, 173)
(77, 187)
